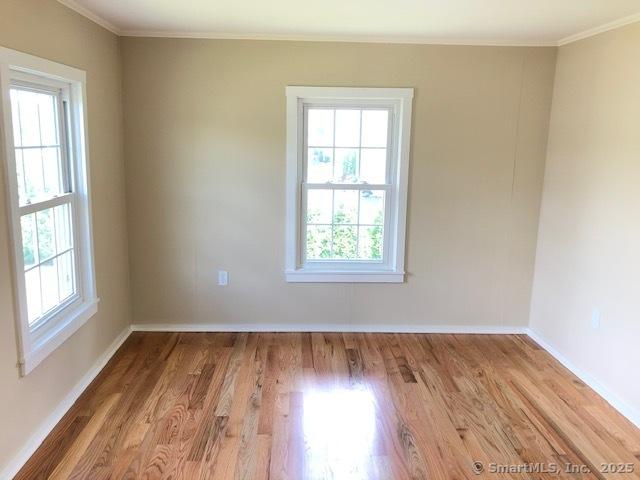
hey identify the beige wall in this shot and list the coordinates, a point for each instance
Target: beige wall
(205, 159)
(589, 240)
(47, 29)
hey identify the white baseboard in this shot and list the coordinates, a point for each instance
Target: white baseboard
(329, 327)
(14, 466)
(631, 413)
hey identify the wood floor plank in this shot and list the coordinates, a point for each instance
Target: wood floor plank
(320, 406)
(81, 443)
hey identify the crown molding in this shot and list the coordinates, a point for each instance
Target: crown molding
(416, 40)
(338, 38)
(621, 22)
(85, 12)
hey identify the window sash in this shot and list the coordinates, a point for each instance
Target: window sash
(39, 325)
(388, 188)
(349, 105)
(61, 94)
(68, 199)
(347, 186)
(336, 262)
(46, 204)
(60, 91)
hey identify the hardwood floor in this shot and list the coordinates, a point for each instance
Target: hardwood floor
(336, 406)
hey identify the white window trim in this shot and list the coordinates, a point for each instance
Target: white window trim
(393, 271)
(34, 345)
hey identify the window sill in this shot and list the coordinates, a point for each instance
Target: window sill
(309, 276)
(44, 346)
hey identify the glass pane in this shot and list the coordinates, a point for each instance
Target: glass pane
(66, 276)
(373, 165)
(345, 206)
(46, 239)
(320, 128)
(370, 243)
(22, 196)
(371, 207)
(29, 246)
(346, 165)
(34, 301)
(374, 128)
(63, 227)
(348, 128)
(319, 206)
(49, 282)
(52, 171)
(48, 121)
(318, 242)
(29, 118)
(33, 173)
(345, 239)
(319, 165)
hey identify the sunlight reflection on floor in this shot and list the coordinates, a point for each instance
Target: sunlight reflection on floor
(339, 431)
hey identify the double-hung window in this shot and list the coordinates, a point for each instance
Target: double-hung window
(48, 199)
(347, 165)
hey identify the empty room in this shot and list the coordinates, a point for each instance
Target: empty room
(344, 241)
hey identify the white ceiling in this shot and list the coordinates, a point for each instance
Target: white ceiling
(510, 22)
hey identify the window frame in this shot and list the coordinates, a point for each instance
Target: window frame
(391, 269)
(35, 342)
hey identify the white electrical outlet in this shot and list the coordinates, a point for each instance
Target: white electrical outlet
(223, 277)
(595, 319)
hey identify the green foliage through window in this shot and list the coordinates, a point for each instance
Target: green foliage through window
(344, 241)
